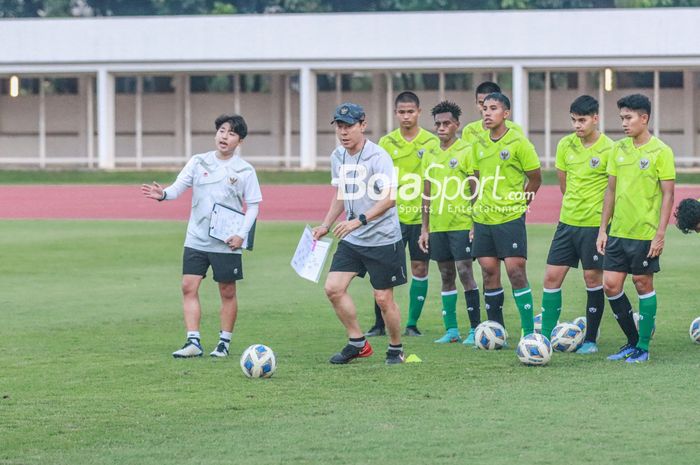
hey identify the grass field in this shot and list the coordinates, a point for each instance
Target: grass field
(167, 177)
(91, 311)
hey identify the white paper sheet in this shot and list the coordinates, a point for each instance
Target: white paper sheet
(225, 222)
(310, 255)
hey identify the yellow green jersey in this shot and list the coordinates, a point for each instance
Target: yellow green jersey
(447, 171)
(475, 131)
(639, 171)
(502, 165)
(407, 158)
(586, 179)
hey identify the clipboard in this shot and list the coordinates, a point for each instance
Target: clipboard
(226, 221)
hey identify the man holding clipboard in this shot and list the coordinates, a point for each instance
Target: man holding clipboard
(370, 236)
(221, 182)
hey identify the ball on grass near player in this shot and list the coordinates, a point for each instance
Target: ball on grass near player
(636, 323)
(582, 323)
(490, 335)
(534, 349)
(566, 337)
(538, 323)
(258, 361)
(695, 330)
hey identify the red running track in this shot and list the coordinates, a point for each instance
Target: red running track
(280, 202)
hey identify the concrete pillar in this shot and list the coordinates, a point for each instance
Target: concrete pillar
(548, 119)
(105, 119)
(520, 98)
(42, 122)
(688, 114)
(307, 118)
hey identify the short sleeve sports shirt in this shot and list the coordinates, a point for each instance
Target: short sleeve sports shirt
(407, 157)
(586, 179)
(638, 191)
(448, 172)
(502, 165)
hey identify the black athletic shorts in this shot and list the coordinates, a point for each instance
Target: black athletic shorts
(629, 256)
(227, 267)
(450, 246)
(386, 264)
(410, 234)
(500, 240)
(572, 244)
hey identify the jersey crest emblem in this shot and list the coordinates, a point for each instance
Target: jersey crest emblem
(453, 163)
(505, 154)
(420, 153)
(595, 162)
(643, 164)
(232, 180)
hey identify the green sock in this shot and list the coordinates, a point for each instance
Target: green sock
(417, 293)
(523, 300)
(647, 319)
(449, 309)
(551, 309)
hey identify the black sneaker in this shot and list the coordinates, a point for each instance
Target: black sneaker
(412, 331)
(394, 357)
(376, 331)
(350, 352)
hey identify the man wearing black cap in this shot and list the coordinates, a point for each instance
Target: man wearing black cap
(370, 235)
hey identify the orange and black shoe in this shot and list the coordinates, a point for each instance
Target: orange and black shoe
(351, 352)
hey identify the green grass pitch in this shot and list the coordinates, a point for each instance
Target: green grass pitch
(90, 312)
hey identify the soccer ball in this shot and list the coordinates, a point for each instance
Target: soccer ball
(636, 323)
(258, 361)
(566, 337)
(490, 335)
(582, 323)
(534, 349)
(538, 323)
(695, 330)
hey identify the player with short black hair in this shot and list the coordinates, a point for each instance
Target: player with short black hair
(688, 216)
(448, 187)
(370, 235)
(581, 162)
(407, 145)
(507, 159)
(638, 205)
(222, 177)
(476, 130)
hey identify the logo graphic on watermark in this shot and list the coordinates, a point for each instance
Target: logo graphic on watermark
(452, 193)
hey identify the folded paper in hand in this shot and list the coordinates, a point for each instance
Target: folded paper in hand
(225, 222)
(310, 255)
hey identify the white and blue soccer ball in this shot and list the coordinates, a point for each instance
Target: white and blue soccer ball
(636, 323)
(695, 330)
(258, 361)
(582, 322)
(534, 349)
(490, 335)
(566, 337)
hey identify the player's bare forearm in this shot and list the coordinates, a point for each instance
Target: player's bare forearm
(561, 175)
(425, 206)
(659, 241)
(534, 181)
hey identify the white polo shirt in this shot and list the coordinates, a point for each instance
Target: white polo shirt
(228, 182)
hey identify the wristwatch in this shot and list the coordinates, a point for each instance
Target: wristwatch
(363, 219)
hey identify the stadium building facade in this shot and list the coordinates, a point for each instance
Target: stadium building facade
(144, 92)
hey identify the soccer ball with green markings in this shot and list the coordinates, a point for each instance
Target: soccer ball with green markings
(490, 335)
(534, 349)
(566, 337)
(258, 361)
(695, 330)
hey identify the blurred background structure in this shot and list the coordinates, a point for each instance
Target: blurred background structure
(140, 92)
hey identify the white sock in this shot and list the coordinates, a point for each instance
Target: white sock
(225, 336)
(193, 335)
